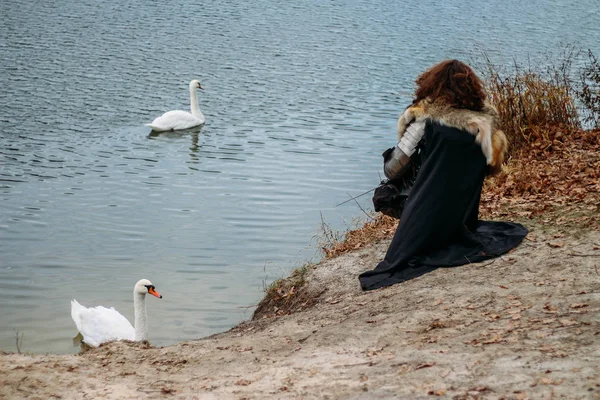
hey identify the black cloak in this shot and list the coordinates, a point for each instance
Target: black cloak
(439, 226)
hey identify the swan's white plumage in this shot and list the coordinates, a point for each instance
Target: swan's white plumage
(100, 324)
(174, 121)
(177, 119)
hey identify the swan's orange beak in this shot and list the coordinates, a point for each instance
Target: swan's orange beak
(200, 87)
(154, 293)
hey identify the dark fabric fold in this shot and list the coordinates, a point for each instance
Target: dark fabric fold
(439, 226)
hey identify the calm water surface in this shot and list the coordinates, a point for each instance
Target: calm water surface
(300, 99)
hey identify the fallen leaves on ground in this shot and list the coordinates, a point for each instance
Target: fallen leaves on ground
(556, 178)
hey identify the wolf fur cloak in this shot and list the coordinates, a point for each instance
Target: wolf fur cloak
(439, 226)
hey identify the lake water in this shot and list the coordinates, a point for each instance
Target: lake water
(300, 99)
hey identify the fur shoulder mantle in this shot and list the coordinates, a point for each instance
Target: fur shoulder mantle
(482, 124)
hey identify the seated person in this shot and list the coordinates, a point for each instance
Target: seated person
(459, 144)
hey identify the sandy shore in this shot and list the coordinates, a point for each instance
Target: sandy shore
(523, 326)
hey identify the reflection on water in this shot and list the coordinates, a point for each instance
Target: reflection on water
(194, 136)
(300, 101)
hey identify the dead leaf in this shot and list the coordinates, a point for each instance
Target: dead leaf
(425, 365)
(440, 392)
(494, 339)
(243, 382)
(578, 305)
(556, 245)
(436, 325)
(550, 309)
(521, 396)
(568, 322)
(548, 381)
(373, 352)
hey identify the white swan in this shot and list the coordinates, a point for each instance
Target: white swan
(100, 324)
(176, 120)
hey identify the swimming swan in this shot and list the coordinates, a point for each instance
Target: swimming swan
(176, 120)
(100, 324)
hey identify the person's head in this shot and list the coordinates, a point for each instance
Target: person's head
(453, 82)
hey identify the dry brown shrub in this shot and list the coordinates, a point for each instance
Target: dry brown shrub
(527, 99)
(285, 296)
(588, 90)
(381, 227)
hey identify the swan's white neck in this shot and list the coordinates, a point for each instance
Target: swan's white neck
(141, 316)
(194, 103)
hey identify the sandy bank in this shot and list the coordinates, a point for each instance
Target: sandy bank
(526, 325)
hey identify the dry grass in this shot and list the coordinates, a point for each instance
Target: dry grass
(588, 90)
(288, 295)
(285, 295)
(533, 101)
(528, 101)
(380, 227)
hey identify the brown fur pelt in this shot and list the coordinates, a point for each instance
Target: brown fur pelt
(482, 124)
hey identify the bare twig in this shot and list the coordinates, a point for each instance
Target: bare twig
(491, 262)
(369, 363)
(361, 209)
(18, 340)
(248, 307)
(583, 255)
(355, 197)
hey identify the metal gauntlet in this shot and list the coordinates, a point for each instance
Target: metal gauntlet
(400, 159)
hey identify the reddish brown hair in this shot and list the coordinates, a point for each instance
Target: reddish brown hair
(454, 82)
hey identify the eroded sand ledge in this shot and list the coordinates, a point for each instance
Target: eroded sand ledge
(526, 325)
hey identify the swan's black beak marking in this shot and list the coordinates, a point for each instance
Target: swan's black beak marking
(200, 87)
(153, 292)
